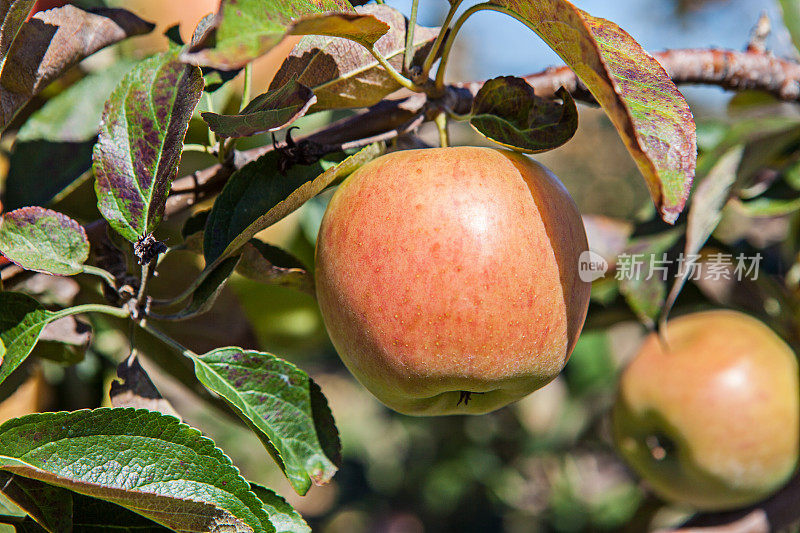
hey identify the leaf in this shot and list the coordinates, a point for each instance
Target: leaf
(507, 111)
(705, 213)
(141, 139)
(342, 73)
(64, 341)
(9, 508)
(276, 399)
(791, 19)
(205, 289)
(147, 462)
(645, 296)
(648, 111)
(281, 514)
(257, 195)
(91, 514)
(53, 148)
(135, 389)
(49, 506)
(246, 29)
(769, 207)
(269, 264)
(362, 28)
(52, 42)
(14, 14)
(39, 239)
(22, 320)
(270, 111)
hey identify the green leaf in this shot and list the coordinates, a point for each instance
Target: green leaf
(507, 111)
(147, 462)
(52, 42)
(765, 207)
(9, 508)
(245, 29)
(22, 320)
(49, 506)
(205, 290)
(791, 18)
(258, 195)
(645, 296)
(141, 139)
(270, 111)
(282, 405)
(269, 264)
(361, 28)
(705, 213)
(342, 73)
(39, 239)
(281, 514)
(648, 111)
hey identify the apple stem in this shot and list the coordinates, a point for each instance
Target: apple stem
(441, 124)
(466, 396)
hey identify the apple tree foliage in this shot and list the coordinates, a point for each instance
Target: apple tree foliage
(136, 465)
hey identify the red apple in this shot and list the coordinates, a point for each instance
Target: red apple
(448, 278)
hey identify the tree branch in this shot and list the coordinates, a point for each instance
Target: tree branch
(728, 69)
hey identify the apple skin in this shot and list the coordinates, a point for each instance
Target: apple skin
(714, 421)
(450, 270)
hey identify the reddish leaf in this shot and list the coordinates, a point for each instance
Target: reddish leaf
(344, 74)
(647, 109)
(52, 42)
(141, 138)
(364, 29)
(43, 240)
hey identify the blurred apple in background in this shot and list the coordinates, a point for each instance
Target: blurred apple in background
(711, 420)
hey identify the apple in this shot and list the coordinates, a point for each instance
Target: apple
(448, 278)
(711, 419)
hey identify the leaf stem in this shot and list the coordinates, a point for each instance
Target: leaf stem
(166, 339)
(212, 137)
(434, 51)
(196, 148)
(441, 124)
(248, 83)
(399, 78)
(412, 24)
(92, 308)
(106, 275)
(448, 44)
(141, 297)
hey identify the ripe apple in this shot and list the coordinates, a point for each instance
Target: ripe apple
(712, 419)
(448, 278)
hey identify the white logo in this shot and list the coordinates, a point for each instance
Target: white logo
(591, 266)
